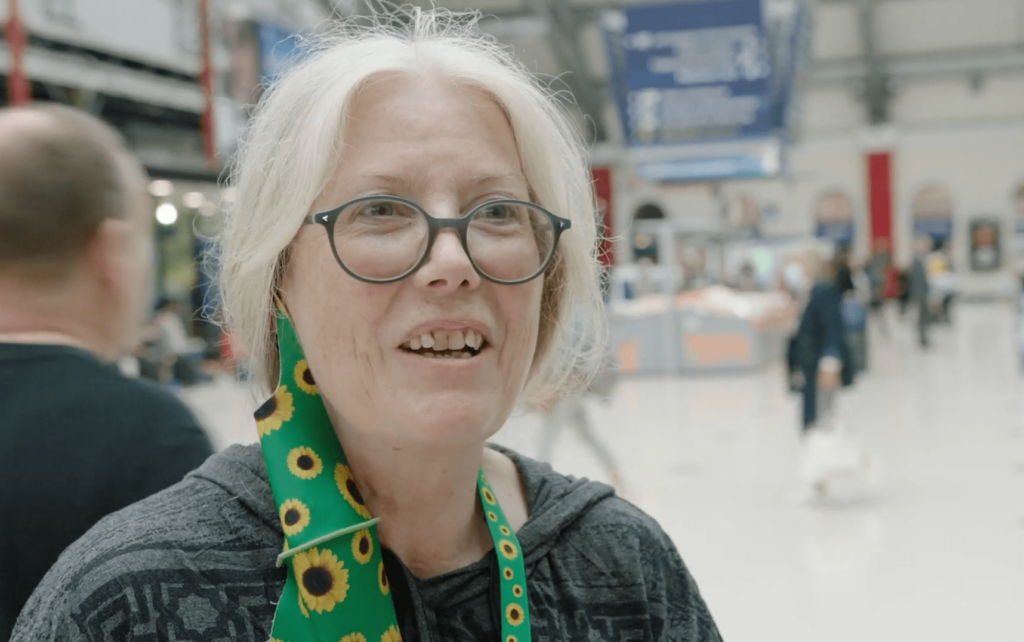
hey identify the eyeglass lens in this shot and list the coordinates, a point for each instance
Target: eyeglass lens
(382, 239)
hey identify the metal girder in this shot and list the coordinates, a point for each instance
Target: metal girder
(900, 68)
(564, 41)
(877, 94)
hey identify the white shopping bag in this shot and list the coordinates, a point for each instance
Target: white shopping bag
(833, 464)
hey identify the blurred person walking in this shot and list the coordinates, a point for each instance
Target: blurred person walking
(879, 273)
(77, 440)
(572, 411)
(832, 463)
(819, 348)
(919, 289)
(181, 354)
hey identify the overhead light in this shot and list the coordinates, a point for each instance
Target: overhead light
(161, 188)
(166, 214)
(193, 200)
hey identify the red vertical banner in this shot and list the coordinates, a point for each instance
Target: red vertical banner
(19, 90)
(602, 180)
(879, 166)
(206, 81)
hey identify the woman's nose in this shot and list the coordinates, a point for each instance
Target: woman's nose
(447, 267)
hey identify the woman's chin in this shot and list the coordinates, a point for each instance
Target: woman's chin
(449, 419)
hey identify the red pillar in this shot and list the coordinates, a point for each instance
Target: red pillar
(879, 170)
(602, 179)
(19, 90)
(206, 81)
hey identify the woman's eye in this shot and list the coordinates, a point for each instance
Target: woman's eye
(496, 212)
(375, 210)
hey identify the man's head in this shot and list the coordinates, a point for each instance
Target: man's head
(75, 235)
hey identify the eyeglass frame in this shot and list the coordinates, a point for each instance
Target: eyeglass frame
(329, 218)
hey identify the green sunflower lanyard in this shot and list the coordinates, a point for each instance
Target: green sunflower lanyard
(336, 587)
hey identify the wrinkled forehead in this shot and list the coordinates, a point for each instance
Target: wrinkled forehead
(414, 132)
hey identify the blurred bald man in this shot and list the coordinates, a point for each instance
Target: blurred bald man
(77, 440)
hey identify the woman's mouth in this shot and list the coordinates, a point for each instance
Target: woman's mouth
(459, 344)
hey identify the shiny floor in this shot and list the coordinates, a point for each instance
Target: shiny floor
(937, 555)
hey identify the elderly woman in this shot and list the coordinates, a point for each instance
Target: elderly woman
(414, 226)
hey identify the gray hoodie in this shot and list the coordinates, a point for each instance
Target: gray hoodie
(196, 562)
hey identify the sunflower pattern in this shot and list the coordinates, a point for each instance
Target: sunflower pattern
(382, 580)
(304, 378)
(508, 549)
(515, 609)
(488, 496)
(348, 489)
(330, 546)
(514, 614)
(275, 412)
(304, 463)
(362, 546)
(391, 635)
(322, 577)
(294, 517)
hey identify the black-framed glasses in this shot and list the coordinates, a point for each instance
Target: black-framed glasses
(382, 239)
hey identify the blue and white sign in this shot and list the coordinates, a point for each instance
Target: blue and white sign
(279, 47)
(698, 168)
(693, 72)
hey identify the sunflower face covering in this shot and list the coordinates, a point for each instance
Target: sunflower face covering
(337, 588)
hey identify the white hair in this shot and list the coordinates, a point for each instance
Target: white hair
(292, 146)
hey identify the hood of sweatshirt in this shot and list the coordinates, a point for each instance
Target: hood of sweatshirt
(554, 501)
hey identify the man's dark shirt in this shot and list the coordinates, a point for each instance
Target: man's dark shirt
(77, 442)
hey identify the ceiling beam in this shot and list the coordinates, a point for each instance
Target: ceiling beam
(877, 92)
(923, 66)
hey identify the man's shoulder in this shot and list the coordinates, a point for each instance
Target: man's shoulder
(182, 555)
(89, 388)
(144, 398)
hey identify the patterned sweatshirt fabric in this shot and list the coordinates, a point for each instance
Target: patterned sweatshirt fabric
(197, 562)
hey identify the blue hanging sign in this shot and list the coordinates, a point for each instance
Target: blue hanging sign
(692, 72)
(279, 47)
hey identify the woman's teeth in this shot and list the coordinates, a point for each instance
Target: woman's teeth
(455, 342)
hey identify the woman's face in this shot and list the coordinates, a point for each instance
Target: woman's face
(447, 149)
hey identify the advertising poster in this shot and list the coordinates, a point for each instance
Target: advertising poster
(986, 255)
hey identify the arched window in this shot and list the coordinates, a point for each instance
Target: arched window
(932, 213)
